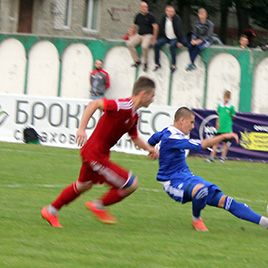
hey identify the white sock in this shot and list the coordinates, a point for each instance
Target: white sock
(52, 210)
(264, 222)
(98, 204)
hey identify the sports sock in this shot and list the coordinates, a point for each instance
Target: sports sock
(241, 210)
(111, 197)
(52, 210)
(66, 196)
(199, 201)
(264, 221)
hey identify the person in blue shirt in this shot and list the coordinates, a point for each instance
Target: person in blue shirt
(181, 184)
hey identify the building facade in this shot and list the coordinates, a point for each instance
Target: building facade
(81, 18)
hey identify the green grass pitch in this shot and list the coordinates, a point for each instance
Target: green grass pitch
(152, 231)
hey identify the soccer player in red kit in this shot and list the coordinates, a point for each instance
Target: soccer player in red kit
(119, 117)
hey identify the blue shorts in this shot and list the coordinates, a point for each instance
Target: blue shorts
(180, 190)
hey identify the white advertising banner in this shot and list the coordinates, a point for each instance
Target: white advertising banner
(57, 119)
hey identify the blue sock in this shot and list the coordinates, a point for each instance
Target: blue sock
(199, 201)
(241, 210)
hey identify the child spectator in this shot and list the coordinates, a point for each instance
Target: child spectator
(224, 124)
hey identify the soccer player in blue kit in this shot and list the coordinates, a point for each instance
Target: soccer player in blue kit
(181, 184)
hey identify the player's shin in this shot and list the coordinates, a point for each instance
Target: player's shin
(66, 196)
(242, 211)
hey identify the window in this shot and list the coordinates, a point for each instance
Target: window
(91, 15)
(62, 10)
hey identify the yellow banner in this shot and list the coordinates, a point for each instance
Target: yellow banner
(257, 141)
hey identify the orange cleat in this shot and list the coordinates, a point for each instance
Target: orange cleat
(199, 225)
(102, 214)
(50, 218)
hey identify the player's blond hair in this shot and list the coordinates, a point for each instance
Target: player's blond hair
(143, 83)
(227, 94)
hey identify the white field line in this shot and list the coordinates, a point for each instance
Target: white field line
(114, 157)
(60, 186)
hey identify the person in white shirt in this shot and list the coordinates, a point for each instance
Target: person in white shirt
(170, 32)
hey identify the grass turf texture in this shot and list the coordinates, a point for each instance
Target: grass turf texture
(153, 230)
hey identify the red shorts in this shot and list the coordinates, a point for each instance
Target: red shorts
(104, 171)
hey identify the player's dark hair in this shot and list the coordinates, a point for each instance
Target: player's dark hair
(243, 36)
(143, 83)
(183, 112)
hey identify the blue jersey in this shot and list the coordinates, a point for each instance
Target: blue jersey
(172, 153)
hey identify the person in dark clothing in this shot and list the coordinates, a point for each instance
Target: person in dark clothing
(170, 32)
(147, 30)
(201, 37)
(251, 35)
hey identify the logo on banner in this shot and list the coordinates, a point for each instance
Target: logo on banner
(208, 130)
(207, 127)
(3, 116)
(256, 141)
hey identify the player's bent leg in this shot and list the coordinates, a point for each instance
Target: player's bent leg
(117, 194)
(114, 195)
(131, 186)
(199, 200)
(122, 183)
(69, 194)
(50, 213)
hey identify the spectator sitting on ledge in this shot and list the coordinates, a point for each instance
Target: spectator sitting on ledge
(243, 41)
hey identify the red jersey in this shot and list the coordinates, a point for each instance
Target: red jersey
(118, 118)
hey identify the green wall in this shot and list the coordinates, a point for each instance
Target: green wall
(247, 59)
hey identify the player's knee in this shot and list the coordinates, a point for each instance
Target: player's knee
(200, 198)
(132, 184)
(196, 189)
(144, 47)
(222, 201)
(216, 199)
(83, 186)
(227, 205)
(200, 193)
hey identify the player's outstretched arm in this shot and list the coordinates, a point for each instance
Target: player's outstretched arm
(153, 152)
(215, 140)
(81, 136)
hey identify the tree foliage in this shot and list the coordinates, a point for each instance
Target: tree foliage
(259, 13)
